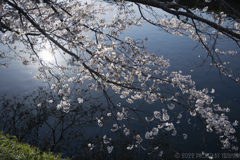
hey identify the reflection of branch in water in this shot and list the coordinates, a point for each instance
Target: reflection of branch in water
(28, 121)
(54, 130)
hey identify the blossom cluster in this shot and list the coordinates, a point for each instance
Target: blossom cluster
(120, 65)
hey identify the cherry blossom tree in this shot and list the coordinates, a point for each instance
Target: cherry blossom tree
(206, 31)
(114, 67)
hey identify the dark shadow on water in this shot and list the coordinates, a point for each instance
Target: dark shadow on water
(34, 120)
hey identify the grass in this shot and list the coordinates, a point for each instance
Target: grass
(11, 149)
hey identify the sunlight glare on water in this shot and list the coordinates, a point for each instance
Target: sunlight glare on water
(46, 55)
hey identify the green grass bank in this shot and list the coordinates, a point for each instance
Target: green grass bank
(11, 149)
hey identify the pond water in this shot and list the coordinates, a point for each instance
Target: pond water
(72, 132)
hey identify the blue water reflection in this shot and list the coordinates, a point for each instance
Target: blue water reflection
(184, 55)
